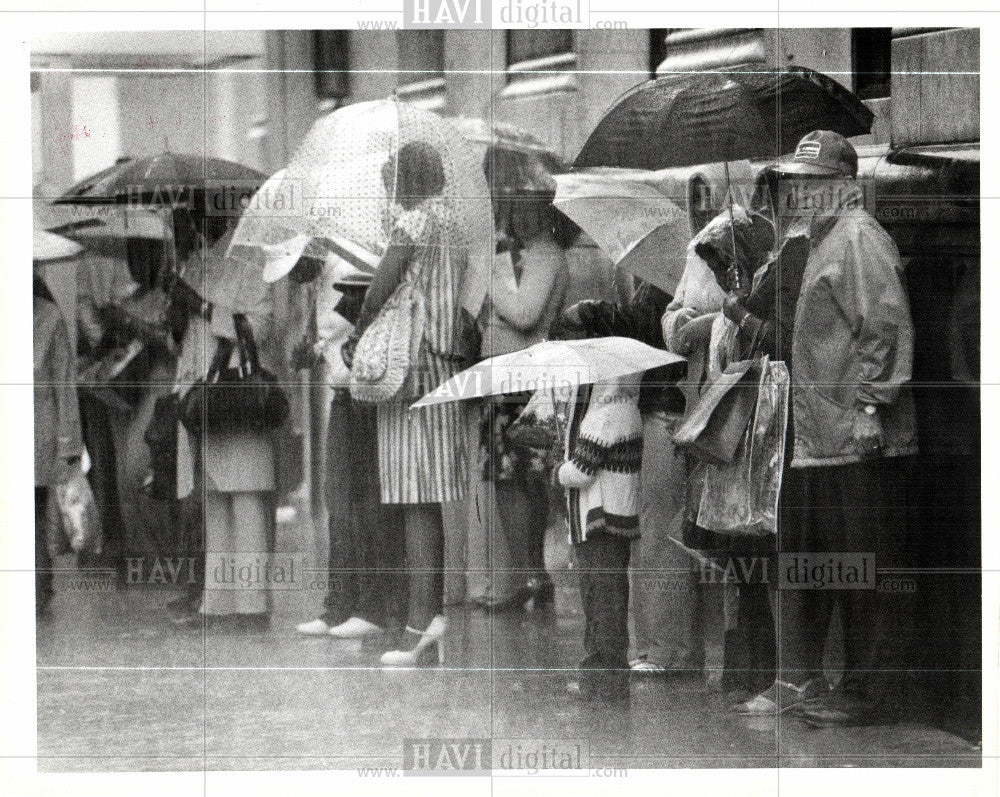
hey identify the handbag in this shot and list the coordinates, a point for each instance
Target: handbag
(242, 399)
(388, 348)
(713, 430)
(742, 496)
(161, 438)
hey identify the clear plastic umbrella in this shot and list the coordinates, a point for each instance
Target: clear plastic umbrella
(340, 189)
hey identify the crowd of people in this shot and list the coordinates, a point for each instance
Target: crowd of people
(818, 289)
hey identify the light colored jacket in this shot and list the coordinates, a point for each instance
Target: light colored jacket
(604, 461)
(518, 316)
(852, 342)
(232, 462)
(57, 413)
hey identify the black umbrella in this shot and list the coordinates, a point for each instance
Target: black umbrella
(169, 180)
(733, 114)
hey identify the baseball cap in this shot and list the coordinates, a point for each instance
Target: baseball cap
(821, 153)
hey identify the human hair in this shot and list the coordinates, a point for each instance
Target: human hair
(414, 173)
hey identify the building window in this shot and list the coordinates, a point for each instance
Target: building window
(421, 56)
(530, 45)
(331, 62)
(871, 61)
(657, 48)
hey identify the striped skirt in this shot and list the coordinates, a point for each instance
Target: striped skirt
(423, 455)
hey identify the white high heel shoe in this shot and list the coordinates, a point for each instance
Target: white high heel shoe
(429, 642)
(355, 628)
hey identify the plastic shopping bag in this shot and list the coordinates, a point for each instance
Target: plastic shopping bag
(78, 511)
(742, 497)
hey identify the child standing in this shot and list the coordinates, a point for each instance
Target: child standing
(601, 474)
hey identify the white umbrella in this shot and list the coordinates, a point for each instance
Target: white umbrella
(635, 216)
(47, 246)
(558, 365)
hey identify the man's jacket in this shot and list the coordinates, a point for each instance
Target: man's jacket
(851, 341)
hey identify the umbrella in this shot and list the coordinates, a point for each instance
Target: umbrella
(731, 114)
(632, 215)
(483, 135)
(554, 364)
(47, 246)
(123, 223)
(169, 180)
(62, 218)
(337, 186)
(516, 163)
(255, 236)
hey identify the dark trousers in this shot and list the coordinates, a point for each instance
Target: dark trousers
(603, 560)
(603, 566)
(523, 506)
(103, 477)
(749, 654)
(43, 562)
(367, 545)
(852, 509)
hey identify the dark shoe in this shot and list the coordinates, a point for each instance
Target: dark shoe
(540, 592)
(184, 605)
(844, 709)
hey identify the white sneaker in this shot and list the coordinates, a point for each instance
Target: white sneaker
(355, 628)
(315, 627)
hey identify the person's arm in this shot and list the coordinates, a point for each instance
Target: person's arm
(522, 306)
(639, 319)
(588, 458)
(387, 277)
(880, 313)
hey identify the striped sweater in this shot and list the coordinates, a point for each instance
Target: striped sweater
(603, 460)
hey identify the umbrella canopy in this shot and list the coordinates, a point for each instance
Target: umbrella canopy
(558, 365)
(345, 185)
(169, 180)
(47, 246)
(255, 237)
(731, 114)
(516, 163)
(122, 223)
(483, 135)
(62, 218)
(632, 216)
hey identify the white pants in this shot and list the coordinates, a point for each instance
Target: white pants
(237, 527)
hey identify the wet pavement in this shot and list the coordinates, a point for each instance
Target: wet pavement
(121, 689)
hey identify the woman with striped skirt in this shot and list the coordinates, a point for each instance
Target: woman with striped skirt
(422, 454)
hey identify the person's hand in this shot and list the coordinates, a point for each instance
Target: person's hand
(576, 313)
(347, 351)
(303, 358)
(733, 309)
(695, 334)
(867, 433)
(569, 324)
